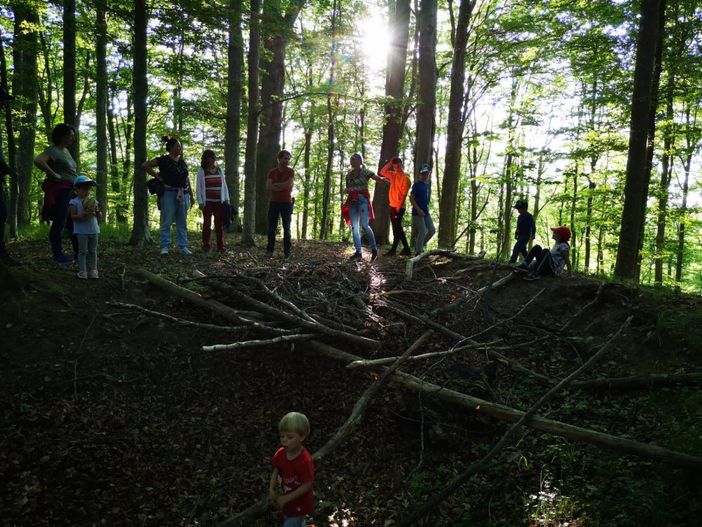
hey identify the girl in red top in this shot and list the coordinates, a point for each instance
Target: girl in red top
(293, 471)
(212, 192)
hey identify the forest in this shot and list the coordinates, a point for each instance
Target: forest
(589, 110)
(441, 389)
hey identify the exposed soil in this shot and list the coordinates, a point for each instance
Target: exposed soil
(115, 417)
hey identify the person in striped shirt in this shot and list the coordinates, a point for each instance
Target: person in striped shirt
(212, 192)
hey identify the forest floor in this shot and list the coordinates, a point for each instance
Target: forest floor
(114, 416)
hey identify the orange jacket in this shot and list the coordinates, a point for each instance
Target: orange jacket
(400, 184)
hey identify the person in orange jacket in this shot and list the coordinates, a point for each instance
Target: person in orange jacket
(400, 184)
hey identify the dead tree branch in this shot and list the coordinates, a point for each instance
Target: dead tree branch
(259, 343)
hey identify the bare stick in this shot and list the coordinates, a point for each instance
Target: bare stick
(502, 281)
(639, 381)
(441, 252)
(258, 343)
(585, 307)
(511, 415)
(482, 464)
(359, 409)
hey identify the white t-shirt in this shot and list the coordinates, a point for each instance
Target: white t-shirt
(558, 252)
(87, 226)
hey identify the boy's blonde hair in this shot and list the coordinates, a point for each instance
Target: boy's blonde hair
(295, 422)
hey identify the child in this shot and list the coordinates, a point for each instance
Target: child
(549, 263)
(293, 470)
(526, 230)
(212, 193)
(421, 219)
(84, 212)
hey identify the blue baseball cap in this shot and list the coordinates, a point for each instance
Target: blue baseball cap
(425, 168)
(81, 181)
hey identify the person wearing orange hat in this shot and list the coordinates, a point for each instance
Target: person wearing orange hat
(541, 262)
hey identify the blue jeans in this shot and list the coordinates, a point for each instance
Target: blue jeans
(424, 231)
(294, 521)
(519, 248)
(172, 210)
(359, 212)
(61, 221)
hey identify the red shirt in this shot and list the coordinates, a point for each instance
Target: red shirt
(278, 175)
(293, 473)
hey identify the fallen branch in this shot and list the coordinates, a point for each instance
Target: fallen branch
(359, 409)
(639, 381)
(258, 343)
(511, 415)
(440, 252)
(587, 306)
(482, 463)
(502, 281)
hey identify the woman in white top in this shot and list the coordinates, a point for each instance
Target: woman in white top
(212, 193)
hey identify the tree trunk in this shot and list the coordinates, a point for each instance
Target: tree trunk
(426, 103)
(637, 168)
(140, 229)
(69, 72)
(276, 28)
(326, 195)
(454, 132)
(250, 198)
(398, 20)
(666, 171)
(306, 184)
(11, 148)
(235, 62)
(101, 106)
(24, 87)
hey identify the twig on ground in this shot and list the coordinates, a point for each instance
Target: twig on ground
(258, 343)
(482, 464)
(598, 295)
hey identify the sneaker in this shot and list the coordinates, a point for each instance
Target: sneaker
(185, 251)
(406, 252)
(356, 256)
(164, 251)
(82, 275)
(93, 274)
(63, 260)
(391, 252)
(374, 254)
(532, 276)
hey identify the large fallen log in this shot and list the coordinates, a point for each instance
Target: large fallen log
(498, 411)
(511, 415)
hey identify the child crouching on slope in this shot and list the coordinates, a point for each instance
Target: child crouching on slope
(293, 471)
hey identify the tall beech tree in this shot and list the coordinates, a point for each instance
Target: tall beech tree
(101, 105)
(10, 153)
(426, 92)
(250, 190)
(393, 109)
(140, 228)
(454, 128)
(638, 168)
(277, 26)
(235, 62)
(69, 72)
(24, 87)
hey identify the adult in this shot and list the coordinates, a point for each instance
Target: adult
(212, 193)
(421, 218)
(280, 182)
(358, 204)
(61, 170)
(176, 198)
(5, 257)
(400, 184)
(525, 231)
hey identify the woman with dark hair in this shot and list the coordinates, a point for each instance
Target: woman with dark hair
(212, 192)
(60, 169)
(176, 198)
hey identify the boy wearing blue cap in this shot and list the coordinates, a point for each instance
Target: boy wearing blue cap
(85, 213)
(421, 219)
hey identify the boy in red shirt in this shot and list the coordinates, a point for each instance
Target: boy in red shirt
(280, 183)
(293, 471)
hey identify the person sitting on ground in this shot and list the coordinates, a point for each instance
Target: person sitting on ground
(421, 218)
(399, 187)
(290, 486)
(526, 230)
(541, 262)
